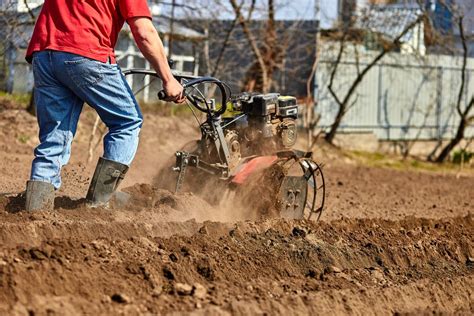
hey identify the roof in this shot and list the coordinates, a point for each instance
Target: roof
(24, 19)
(389, 20)
(163, 25)
(17, 27)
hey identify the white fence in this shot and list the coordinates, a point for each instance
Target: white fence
(403, 97)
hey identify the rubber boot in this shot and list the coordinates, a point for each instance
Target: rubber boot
(39, 196)
(107, 177)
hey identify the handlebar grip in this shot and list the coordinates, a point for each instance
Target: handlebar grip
(162, 95)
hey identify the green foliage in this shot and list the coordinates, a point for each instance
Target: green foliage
(20, 100)
(23, 138)
(462, 155)
(396, 162)
(372, 156)
(166, 109)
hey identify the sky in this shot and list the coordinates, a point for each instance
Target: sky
(286, 9)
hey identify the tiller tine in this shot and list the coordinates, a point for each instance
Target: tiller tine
(291, 181)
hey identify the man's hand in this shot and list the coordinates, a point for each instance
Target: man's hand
(174, 91)
(149, 43)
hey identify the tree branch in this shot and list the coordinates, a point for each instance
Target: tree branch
(343, 104)
(30, 12)
(334, 70)
(464, 120)
(464, 64)
(253, 43)
(226, 42)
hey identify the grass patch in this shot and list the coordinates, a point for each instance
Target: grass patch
(369, 155)
(462, 156)
(22, 101)
(167, 109)
(23, 138)
(15, 100)
(397, 162)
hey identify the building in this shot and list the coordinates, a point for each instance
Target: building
(391, 21)
(380, 17)
(402, 98)
(445, 13)
(405, 97)
(445, 20)
(17, 24)
(440, 35)
(15, 32)
(185, 55)
(297, 40)
(20, 5)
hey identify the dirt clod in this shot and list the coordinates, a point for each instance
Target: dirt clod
(183, 289)
(390, 241)
(299, 232)
(377, 275)
(38, 254)
(157, 291)
(199, 291)
(332, 269)
(470, 261)
(167, 273)
(120, 298)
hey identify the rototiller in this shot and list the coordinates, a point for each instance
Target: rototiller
(245, 151)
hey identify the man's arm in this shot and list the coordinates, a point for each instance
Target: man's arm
(151, 46)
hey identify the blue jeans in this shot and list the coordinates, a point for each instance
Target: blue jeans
(63, 83)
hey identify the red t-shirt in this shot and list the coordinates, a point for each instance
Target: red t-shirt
(88, 28)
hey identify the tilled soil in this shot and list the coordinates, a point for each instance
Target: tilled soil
(389, 242)
(110, 264)
(366, 192)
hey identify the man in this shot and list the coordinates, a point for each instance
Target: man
(72, 52)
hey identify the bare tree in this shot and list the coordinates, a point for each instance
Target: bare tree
(14, 35)
(445, 42)
(343, 102)
(465, 116)
(251, 36)
(256, 50)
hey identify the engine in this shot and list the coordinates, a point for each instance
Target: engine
(259, 124)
